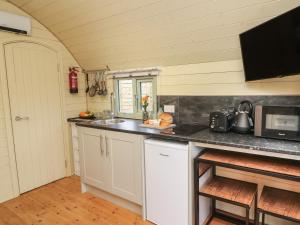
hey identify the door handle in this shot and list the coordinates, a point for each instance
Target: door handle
(19, 118)
(164, 155)
(106, 148)
(101, 146)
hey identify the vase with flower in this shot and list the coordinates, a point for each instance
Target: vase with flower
(145, 103)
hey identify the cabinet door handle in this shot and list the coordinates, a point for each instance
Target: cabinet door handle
(164, 155)
(101, 146)
(106, 147)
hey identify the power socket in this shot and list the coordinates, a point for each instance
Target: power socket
(169, 108)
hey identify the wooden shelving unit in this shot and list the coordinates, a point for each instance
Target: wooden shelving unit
(282, 168)
(275, 202)
(229, 190)
(280, 203)
(224, 189)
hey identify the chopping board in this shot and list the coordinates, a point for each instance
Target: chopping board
(157, 127)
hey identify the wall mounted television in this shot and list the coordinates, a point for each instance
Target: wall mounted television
(272, 49)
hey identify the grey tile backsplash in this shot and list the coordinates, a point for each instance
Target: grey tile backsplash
(196, 109)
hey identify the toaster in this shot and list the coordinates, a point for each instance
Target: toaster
(221, 121)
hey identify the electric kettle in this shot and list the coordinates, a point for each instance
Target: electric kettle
(243, 122)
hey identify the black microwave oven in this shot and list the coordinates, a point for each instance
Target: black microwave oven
(281, 122)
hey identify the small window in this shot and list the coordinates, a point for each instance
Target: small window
(129, 92)
(145, 88)
(125, 96)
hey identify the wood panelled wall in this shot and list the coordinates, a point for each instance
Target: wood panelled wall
(74, 103)
(181, 36)
(221, 78)
(143, 33)
(210, 79)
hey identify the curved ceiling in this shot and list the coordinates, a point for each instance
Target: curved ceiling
(141, 33)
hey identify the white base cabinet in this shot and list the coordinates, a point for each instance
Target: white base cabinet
(94, 163)
(112, 161)
(166, 167)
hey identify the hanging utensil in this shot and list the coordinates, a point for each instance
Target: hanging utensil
(100, 91)
(87, 83)
(93, 88)
(98, 87)
(112, 103)
(105, 88)
(92, 91)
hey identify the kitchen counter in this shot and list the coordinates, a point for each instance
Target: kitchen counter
(78, 119)
(247, 141)
(132, 126)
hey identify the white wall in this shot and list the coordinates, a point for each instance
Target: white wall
(73, 103)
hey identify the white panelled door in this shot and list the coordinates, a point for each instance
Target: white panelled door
(34, 92)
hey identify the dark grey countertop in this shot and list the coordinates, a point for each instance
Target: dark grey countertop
(78, 119)
(247, 141)
(131, 126)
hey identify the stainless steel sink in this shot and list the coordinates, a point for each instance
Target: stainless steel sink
(107, 122)
(115, 121)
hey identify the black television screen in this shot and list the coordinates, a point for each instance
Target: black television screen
(272, 49)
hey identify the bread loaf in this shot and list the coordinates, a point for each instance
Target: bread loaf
(165, 119)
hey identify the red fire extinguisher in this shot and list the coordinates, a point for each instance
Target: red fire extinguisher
(73, 83)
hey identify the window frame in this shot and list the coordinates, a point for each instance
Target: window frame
(137, 113)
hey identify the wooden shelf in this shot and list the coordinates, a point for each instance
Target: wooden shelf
(280, 203)
(229, 190)
(283, 168)
(224, 220)
(217, 221)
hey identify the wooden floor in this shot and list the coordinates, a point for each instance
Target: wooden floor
(61, 203)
